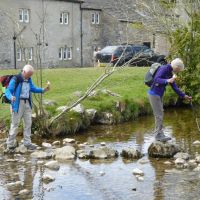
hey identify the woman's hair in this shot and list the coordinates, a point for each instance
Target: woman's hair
(177, 63)
(28, 68)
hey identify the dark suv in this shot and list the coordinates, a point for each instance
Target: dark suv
(141, 55)
(146, 57)
(111, 54)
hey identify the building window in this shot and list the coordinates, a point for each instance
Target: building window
(25, 54)
(65, 53)
(30, 53)
(24, 15)
(60, 53)
(19, 54)
(95, 18)
(64, 18)
(69, 53)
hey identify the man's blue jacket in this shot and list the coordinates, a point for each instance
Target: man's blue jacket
(12, 90)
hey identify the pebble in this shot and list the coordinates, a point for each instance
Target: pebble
(138, 172)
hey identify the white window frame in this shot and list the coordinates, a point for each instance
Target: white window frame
(30, 53)
(24, 15)
(60, 53)
(65, 53)
(24, 53)
(64, 18)
(61, 18)
(95, 18)
(69, 53)
(19, 54)
(21, 15)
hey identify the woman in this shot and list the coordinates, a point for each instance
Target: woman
(163, 77)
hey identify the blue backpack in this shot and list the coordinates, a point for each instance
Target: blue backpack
(148, 80)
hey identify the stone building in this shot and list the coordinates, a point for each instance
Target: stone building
(118, 23)
(49, 28)
(64, 33)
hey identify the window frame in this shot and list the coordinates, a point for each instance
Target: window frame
(30, 53)
(69, 53)
(64, 18)
(60, 53)
(95, 18)
(22, 13)
(19, 54)
(26, 13)
(65, 53)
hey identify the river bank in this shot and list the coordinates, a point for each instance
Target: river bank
(120, 98)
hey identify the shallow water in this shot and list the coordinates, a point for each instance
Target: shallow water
(112, 179)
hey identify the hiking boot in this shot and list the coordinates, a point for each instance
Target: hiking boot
(162, 138)
(31, 146)
(9, 150)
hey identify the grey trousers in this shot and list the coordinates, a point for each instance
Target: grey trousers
(158, 111)
(24, 113)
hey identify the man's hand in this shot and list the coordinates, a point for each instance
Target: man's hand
(13, 99)
(189, 98)
(47, 88)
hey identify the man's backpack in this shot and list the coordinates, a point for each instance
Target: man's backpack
(148, 80)
(5, 80)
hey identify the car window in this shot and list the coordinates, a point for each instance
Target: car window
(148, 52)
(128, 49)
(109, 49)
(138, 49)
(123, 49)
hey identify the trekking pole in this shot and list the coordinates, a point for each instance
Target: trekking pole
(195, 115)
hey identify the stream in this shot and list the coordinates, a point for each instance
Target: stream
(112, 179)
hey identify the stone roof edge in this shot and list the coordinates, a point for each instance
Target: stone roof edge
(71, 1)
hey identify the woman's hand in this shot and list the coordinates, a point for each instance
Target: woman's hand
(171, 80)
(189, 98)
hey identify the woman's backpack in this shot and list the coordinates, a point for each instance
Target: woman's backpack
(148, 80)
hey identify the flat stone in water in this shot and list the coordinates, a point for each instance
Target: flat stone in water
(163, 150)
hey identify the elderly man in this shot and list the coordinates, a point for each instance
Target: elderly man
(163, 77)
(19, 93)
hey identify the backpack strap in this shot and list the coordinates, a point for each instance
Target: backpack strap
(155, 74)
(18, 79)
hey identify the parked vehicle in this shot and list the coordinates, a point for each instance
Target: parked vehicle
(140, 55)
(111, 54)
(147, 57)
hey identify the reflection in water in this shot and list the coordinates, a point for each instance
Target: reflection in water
(111, 179)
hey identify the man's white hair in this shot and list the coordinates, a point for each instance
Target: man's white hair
(28, 68)
(177, 63)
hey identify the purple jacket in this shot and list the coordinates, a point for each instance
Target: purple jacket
(160, 81)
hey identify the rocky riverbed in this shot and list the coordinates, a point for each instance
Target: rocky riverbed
(108, 162)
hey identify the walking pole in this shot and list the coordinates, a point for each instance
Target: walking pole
(195, 115)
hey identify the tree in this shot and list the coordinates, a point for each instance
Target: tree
(185, 43)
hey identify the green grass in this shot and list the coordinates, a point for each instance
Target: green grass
(64, 82)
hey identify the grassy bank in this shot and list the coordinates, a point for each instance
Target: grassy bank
(65, 83)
